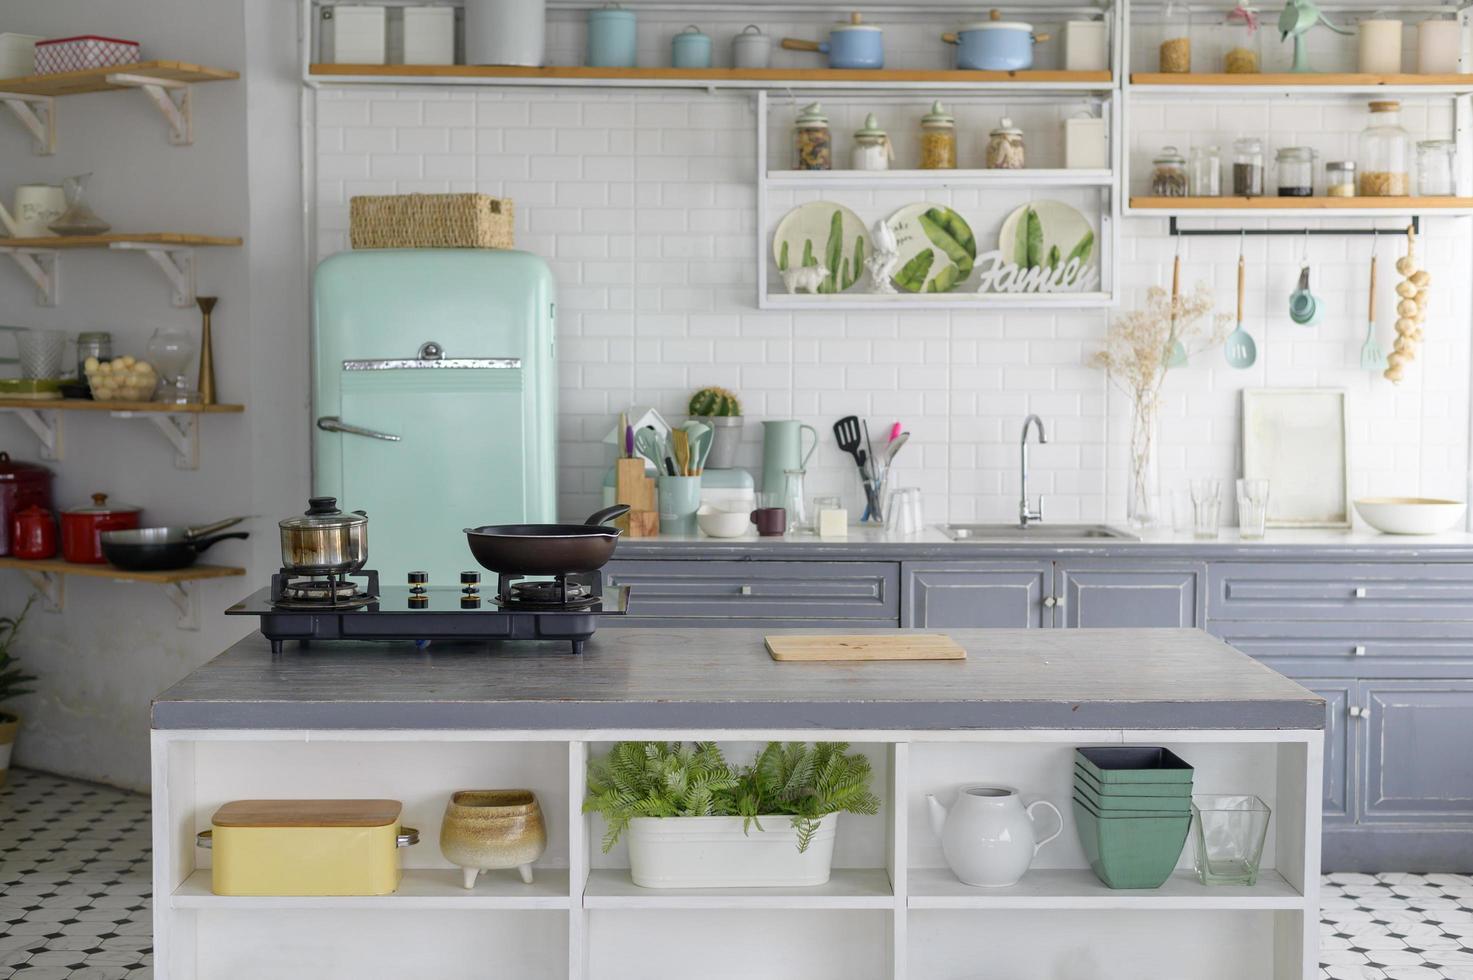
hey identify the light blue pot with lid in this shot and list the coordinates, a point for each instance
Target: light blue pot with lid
(612, 42)
(690, 49)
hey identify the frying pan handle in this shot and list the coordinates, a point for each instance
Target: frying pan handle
(200, 544)
(608, 514)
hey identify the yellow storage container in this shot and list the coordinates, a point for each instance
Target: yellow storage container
(307, 847)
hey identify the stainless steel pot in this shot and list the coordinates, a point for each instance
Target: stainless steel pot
(324, 540)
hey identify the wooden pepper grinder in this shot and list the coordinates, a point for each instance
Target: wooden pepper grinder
(206, 351)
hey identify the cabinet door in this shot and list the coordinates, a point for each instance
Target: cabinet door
(757, 593)
(1340, 748)
(977, 594)
(1113, 593)
(1418, 767)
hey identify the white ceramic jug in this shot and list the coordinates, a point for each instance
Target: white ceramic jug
(36, 206)
(987, 835)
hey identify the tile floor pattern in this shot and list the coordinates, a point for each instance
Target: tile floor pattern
(74, 897)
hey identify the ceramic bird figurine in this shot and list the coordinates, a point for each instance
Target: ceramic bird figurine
(1298, 18)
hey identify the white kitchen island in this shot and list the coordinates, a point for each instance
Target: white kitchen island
(386, 720)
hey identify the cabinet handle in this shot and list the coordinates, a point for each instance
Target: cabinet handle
(1359, 651)
(1049, 602)
(1360, 592)
(1356, 711)
(746, 590)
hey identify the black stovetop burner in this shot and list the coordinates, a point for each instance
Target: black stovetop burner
(570, 591)
(291, 590)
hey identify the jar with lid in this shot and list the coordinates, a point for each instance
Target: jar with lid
(872, 149)
(1176, 38)
(1385, 153)
(1340, 178)
(938, 139)
(1204, 172)
(1169, 173)
(1240, 41)
(1248, 166)
(1005, 149)
(1295, 166)
(1435, 168)
(812, 139)
(93, 343)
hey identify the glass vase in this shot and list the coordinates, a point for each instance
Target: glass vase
(1143, 495)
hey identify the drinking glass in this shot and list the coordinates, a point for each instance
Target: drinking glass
(904, 513)
(40, 353)
(171, 350)
(1229, 839)
(793, 502)
(1252, 508)
(1206, 503)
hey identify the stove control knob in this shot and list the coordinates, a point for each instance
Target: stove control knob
(470, 578)
(419, 578)
(471, 601)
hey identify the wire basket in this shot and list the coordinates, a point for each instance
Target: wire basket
(432, 221)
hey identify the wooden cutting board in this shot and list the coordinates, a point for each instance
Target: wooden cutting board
(905, 646)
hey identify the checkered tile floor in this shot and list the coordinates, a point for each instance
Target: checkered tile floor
(74, 897)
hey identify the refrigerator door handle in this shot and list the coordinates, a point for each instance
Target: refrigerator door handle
(332, 423)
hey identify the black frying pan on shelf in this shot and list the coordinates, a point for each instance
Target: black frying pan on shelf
(163, 549)
(547, 549)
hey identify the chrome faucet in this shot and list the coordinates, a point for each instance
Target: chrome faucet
(1025, 515)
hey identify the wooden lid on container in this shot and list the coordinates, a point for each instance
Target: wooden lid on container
(308, 813)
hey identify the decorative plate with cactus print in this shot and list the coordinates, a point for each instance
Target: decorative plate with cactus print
(936, 247)
(820, 233)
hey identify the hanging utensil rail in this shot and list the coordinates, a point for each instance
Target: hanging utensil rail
(1175, 229)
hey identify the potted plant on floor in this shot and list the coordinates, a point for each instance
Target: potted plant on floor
(13, 683)
(722, 411)
(692, 820)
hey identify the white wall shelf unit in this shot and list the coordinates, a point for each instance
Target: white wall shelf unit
(178, 424)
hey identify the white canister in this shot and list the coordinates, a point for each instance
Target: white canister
(751, 48)
(354, 34)
(1439, 47)
(505, 32)
(1086, 46)
(36, 207)
(872, 149)
(429, 35)
(1085, 147)
(1380, 47)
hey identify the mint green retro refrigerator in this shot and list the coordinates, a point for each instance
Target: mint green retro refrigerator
(435, 398)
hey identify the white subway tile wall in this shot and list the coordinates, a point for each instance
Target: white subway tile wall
(644, 204)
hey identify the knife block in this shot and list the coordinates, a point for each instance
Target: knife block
(632, 487)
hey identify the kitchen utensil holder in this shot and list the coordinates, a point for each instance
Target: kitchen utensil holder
(1173, 228)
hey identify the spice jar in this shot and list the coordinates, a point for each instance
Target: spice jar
(1340, 178)
(1169, 174)
(1248, 167)
(812, 139)
(1176, 38)
(872, 150)
(938, 139)
(1295, 166)
(1204, 173)
(1435, 167)
(1240, 34)
(1005, 149)
(1385, 153)
(93, 343)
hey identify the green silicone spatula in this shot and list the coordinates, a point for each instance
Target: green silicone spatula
(1239, 347)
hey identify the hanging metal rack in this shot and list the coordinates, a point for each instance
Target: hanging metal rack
(1177, 231)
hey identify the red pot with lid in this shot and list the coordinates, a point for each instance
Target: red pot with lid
(33, 534)
(82, 527)
(22, 485)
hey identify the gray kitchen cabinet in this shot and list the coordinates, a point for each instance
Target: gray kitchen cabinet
(1340, 749)
(965, 595)
(1340, 592)
(1418, 751)
(1113, 593)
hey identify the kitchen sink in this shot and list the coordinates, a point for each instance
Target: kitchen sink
(1035, 532)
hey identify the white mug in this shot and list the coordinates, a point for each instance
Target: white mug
(36, 207)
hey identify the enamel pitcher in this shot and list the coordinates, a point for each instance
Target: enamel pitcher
(782, 449)
(987, 836)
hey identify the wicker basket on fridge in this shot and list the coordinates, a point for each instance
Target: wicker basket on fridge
(432, 221)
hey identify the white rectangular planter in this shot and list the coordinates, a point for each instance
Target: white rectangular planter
(713, 852)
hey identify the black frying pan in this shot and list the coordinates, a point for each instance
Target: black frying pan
(157, 549)
(547, 549)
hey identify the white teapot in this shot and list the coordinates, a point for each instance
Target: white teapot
(987, 836)
(36, 207)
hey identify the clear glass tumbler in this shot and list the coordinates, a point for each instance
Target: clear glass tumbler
(1206, 505)
(40, 353)
(904, 513)
(1252, 508)
(1229, 839)
(794, 501)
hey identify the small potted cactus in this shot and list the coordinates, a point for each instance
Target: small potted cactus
(721, 410)
(13, 683)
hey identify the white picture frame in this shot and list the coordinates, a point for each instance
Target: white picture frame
(1296, 439)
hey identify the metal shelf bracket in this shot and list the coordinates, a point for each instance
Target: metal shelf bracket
(50, 586)
(45, 425)
(182, 432)
(37, 113)
(172, 99)
(176, 262)
(43, 266)
(185, 597)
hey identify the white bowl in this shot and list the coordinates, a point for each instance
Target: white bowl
(724, 523)
(1410, 515)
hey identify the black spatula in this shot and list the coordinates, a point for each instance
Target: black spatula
(847, 430)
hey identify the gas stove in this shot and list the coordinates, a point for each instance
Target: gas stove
(354, 607)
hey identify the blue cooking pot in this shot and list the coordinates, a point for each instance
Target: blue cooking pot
(690, 49)
(851, 45)
(995, 45)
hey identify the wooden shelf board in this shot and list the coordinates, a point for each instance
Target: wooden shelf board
(419, 888)
(87, 405)
(106, 241)
(847, 888)
(58, 567)
(95, 79)
(1395, 205)
(1292, 80)
(714, 76)
(1078, 888)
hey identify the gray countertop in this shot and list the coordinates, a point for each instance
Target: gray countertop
(723, 678)
(864, 543)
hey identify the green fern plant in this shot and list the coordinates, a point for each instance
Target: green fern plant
(13, 680)
(670, 779)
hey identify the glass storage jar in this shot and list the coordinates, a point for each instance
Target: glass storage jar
(1295, 166)
(1340, 178)
(1248, 167)
(872, 150)
(92, 343)
(1385, 153)
(938, 139)
(1240, 41)
(1005, 149)
(1169, 173)
(1204, 172)
(1176, 38)
(812, 139)
(1435, 168)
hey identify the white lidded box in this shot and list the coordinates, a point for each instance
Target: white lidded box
(714, 852)
(82, 52)
(17, 54)
(1085, 146)
(429, 35)
(1086, 46)
(354, 34)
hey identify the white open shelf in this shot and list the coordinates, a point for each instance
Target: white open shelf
(935, 179)
(1078, 888)
(420, 888)
(847, 888)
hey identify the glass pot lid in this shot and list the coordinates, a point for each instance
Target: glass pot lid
(323, 514)
(100, 506)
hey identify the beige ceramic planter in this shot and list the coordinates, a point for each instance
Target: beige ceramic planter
(488, 829)
(9, 728)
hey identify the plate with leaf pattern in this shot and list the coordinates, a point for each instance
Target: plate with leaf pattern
(820, 233)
